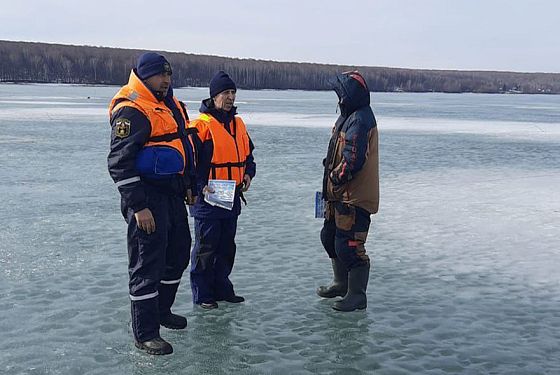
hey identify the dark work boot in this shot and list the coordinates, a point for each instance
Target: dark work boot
(357, 285)
(155, 346)
(173, 321)
(233, 299)
(339, 285)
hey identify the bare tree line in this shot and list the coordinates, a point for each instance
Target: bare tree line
(56, 63)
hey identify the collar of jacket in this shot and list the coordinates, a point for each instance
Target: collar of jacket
(140, 88)
(207, 106)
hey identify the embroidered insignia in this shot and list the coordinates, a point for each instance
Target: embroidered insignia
(167, 68)
(122, 127)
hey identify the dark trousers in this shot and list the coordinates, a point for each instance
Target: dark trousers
(345, 232)
(212, 259)
(156, 262)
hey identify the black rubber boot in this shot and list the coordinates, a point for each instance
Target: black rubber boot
(173, 321)
(340, 283)
(356, 298)
(155, 346)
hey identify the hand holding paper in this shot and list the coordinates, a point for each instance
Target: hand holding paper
(220, 193)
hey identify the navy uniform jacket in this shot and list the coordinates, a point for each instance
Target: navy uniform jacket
(123, 153)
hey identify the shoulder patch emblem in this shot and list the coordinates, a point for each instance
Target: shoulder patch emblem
(122, 127)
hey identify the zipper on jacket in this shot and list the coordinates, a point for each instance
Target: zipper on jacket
(236, 147)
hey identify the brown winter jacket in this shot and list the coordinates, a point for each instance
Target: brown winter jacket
(352, 164)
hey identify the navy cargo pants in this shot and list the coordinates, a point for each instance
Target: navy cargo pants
(345, 232)
(212, 259)
(156, 261)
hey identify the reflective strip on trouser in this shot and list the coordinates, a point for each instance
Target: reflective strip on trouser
(212, 259)
(344, 235)
(144, 297)
(161, 255)
(128, 181)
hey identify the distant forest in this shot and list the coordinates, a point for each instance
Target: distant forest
(56, 63)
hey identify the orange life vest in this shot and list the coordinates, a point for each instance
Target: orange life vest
(230, 150)
(164, 128)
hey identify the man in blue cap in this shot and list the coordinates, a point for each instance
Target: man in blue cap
(225, 152)
(152, 164)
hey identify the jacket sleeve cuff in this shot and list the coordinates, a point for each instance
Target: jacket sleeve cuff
(137, 207)
(134, 197)
(338, 179)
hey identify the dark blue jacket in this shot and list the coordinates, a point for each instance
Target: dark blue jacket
(123, 152)
(205, 150)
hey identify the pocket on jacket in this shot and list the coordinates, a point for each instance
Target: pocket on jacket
(338, 191)
(329, 210)
(344, 216)
(159, 161)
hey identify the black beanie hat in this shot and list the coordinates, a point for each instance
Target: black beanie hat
(151, 63)
(221, 82)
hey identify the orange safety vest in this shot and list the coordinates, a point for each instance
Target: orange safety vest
(230, 150)
(164, 128)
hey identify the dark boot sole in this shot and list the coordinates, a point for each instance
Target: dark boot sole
(152, 351)
(208, 306)
(348, 310)
(171, 326)
(231, 300)
(331, 291)
(330, 295)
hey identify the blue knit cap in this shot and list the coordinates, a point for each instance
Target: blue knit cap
(221, 82)
(150, 63)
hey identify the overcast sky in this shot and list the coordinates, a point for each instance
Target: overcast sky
(518, 35)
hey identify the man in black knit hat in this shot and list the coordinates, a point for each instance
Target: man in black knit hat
(152, 164)
(225, 152)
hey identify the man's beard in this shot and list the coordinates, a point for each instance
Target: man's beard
(159, 95)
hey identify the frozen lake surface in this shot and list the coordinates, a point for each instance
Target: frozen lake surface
(465, 247)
